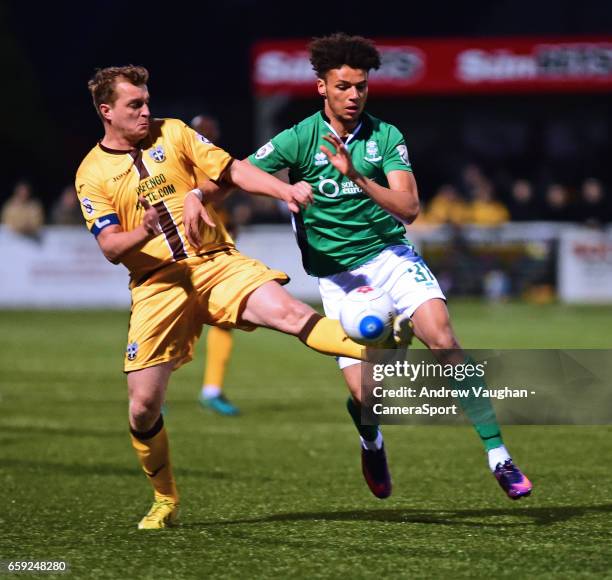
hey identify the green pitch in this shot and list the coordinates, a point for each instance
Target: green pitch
(278, 492)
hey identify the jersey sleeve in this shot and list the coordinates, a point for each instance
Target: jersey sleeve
(278, 153)
(96, 207)
(396, 153)
(203, 154)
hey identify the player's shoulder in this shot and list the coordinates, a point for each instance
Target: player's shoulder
(304, 131)
(175, 129)
(168, 124)
(380, 126)
(89, 168)
(167, 127)
(309, 122)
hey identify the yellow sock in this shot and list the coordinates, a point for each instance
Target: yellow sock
(219, 343)
(154, 456)
(327, 336)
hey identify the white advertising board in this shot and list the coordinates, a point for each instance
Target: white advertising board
(585, 266)
(64, 268)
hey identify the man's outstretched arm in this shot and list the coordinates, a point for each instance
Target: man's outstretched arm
(254, 180)
(249, 178)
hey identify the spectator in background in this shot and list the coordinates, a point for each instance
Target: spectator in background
(523, 204)
(447, 207)
(558, 207)
(66, 211)
(472, 178)
(22, 213)
(219, 341)
(208, 126)
(594, 207)
(485, 209)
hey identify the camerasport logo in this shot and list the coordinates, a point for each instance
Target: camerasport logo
(546, 62)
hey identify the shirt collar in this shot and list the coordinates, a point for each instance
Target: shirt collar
(113, 151)
(350, 136)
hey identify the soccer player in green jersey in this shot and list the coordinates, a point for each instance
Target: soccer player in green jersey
(354, 235)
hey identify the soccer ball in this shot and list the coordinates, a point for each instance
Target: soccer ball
(366, 314)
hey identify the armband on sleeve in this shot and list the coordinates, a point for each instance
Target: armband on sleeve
(103, 222)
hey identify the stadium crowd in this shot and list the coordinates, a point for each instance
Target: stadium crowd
(474, 199)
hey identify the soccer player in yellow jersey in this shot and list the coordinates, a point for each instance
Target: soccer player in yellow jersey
(131, 187)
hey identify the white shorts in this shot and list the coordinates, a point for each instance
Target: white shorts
(398, 270)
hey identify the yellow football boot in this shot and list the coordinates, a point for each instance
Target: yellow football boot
(163, 514)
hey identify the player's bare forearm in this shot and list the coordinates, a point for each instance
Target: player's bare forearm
(115, 243)
(254, 180)
(400, 199)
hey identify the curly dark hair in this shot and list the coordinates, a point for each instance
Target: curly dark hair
(336, 50)
(102, 85)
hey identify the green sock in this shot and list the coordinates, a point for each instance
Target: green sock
(368, 432)
(479, 410)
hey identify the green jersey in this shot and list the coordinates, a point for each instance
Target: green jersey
(344, 227)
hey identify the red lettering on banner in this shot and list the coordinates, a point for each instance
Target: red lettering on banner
(593, 252)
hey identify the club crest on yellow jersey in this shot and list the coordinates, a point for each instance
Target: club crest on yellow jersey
(158, 154)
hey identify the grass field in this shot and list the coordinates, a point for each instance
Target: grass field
(278, 492)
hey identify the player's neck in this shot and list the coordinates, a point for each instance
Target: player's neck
(114, 140)
(342, 128)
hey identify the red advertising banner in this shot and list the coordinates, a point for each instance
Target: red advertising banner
(453, 66)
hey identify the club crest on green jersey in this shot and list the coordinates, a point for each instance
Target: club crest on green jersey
(158, 154)
(372, 154)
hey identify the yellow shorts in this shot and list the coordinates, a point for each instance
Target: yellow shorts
(169, 308)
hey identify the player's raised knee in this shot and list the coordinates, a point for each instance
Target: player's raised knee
(144, 411)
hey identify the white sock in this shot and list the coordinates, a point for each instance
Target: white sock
(497, 455)
(372, 445)
(210, 391)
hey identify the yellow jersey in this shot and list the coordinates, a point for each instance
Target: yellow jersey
(162, 169)
(488, 213)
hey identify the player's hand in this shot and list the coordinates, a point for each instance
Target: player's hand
(299, 195)
(194, 213)
(150, 219)
(340, 158)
